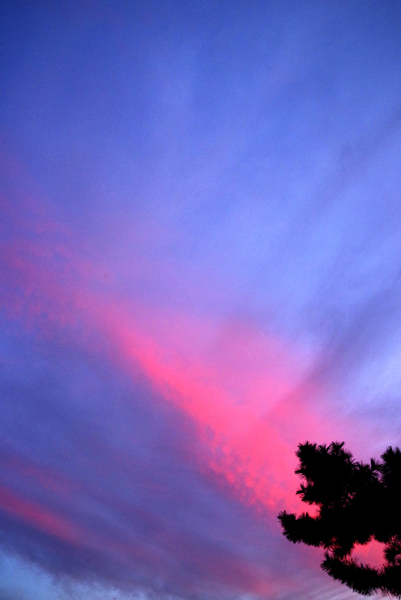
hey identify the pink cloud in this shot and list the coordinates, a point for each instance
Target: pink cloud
(39, 518)
(243, 388)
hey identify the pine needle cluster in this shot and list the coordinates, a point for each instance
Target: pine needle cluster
(356, 503)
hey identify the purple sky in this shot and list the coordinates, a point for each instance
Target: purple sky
(199, 269)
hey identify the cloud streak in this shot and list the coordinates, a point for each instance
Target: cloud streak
(198, 270)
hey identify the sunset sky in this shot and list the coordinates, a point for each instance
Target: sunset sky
(200, 268)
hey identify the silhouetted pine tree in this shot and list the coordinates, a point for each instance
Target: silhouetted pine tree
(356, 503)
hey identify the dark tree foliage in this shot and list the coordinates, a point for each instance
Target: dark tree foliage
(356, 503)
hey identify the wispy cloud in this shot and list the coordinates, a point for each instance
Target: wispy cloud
(198, 270)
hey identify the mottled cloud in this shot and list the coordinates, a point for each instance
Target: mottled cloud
(198, 270)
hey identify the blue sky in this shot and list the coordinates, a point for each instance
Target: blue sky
(199, 269)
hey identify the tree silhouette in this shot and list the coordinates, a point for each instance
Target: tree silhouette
(356, 503)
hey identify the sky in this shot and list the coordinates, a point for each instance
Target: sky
(199, 269)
